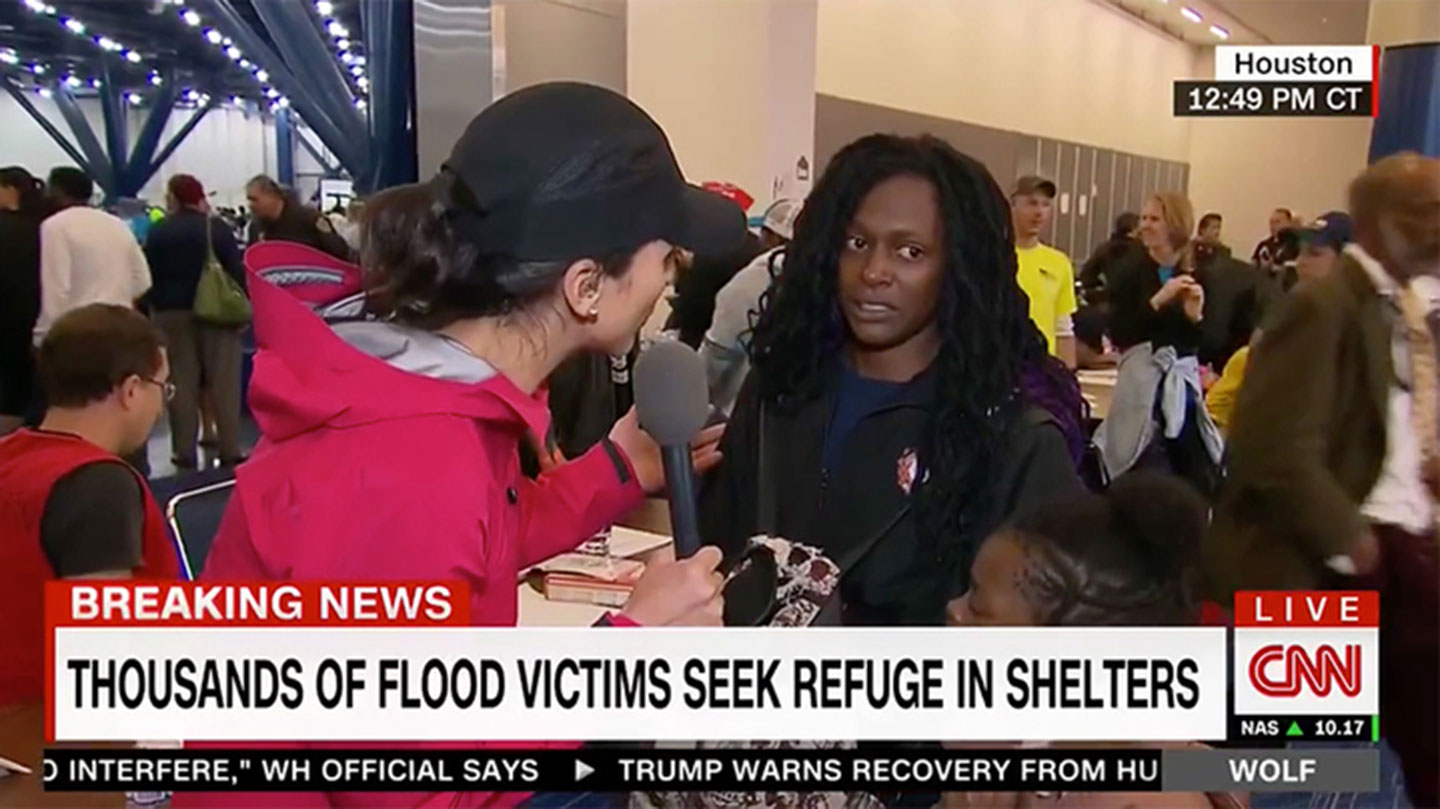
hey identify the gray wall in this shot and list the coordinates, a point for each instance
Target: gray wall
(1095, 184)
(454, 73)
(564, 40)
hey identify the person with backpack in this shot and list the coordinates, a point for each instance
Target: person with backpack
(178, 250)
(901, 403)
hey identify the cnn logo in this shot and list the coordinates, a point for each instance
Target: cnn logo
(1282, 670)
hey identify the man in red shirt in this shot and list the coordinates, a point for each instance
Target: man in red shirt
(70, 507)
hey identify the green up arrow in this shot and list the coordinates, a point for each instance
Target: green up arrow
(1294, 730)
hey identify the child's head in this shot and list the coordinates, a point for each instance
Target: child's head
(1122, 558)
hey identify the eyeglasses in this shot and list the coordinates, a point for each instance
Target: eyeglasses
(168, 388)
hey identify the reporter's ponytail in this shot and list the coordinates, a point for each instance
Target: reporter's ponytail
(425, 267)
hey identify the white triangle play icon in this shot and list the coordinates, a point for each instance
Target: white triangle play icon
(582, 770)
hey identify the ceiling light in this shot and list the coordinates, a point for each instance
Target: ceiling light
(347, 57)
(261, 75)
(245, 63)
(37, 69)
(343, 44)
(133, 98)
(228, 42)
(283, 102)
(1219, 32)
(35, 6)
(156, 80)
(71, 81)
(359, 60)
(364, 83)
(191, 18)
(44, 92)
(132, 57)
(1190, 14)
(95, 83)
(74, 25)
(9, 57)
(191, 95)
(235, 101)
(49, 9)
(357, 71)
(213, 35)
(271, 92)
(106, 43)
(324, 8)
(232, 52)
(336, 29)
(360, 104)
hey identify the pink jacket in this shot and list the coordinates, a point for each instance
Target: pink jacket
(368, 471)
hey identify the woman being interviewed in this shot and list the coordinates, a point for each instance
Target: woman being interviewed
(900, 404)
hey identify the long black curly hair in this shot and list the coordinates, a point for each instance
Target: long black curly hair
(992, 360)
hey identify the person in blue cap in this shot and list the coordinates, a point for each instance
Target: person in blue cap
(1320, 244)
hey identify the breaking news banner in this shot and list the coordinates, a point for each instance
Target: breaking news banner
(1285, 80)
(393, 662)
(615, 770)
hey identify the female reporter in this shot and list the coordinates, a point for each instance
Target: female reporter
(390, 448)
(1157, 416)
(1127, 558)
(905, 401)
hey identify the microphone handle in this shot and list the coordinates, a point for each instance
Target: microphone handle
(680, 484)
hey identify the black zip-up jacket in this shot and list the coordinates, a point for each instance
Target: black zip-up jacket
(838, 510)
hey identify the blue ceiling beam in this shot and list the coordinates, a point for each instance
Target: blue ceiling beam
(344, 140)
(102, 172)
(390, 45)
(307, 51)
(138, 169)
(330, 169)
(117, 140)
(180, 136)
(17, 93)
(284, 148)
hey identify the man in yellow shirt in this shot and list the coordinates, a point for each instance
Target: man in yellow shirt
(1045, 275)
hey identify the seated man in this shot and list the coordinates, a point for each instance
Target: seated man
(69, 506)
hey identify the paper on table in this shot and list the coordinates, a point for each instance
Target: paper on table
(631, 542)
(604, 568)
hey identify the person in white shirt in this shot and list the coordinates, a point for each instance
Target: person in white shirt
(725, 341)
(86, 255)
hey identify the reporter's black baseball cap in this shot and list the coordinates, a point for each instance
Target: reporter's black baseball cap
(565, 170)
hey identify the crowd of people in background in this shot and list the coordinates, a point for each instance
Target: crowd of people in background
(894, 358)
(63, 251)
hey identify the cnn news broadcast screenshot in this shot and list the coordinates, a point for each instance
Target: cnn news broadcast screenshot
(720, 404)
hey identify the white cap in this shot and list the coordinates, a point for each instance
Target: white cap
(780, 217)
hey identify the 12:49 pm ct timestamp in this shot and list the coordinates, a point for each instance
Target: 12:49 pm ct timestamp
(1291, 99)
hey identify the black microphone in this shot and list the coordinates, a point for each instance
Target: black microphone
(672, 401)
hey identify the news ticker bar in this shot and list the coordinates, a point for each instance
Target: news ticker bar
(605, 769)
(1266, 99)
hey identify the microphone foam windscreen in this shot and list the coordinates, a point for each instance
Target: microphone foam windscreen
(671, 395)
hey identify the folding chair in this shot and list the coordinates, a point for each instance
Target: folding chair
(194, 518)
